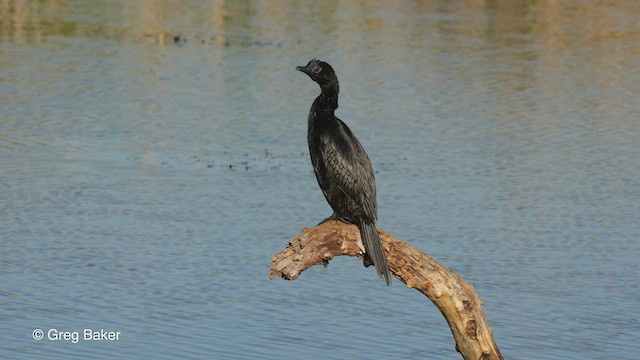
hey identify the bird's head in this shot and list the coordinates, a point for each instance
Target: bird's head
(320, 72)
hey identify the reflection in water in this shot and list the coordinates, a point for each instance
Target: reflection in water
(154, 156)
(553, 24)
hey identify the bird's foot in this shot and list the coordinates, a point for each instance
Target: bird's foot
(367, 261)
(334, 216)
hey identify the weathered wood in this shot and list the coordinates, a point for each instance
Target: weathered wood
(454, 297)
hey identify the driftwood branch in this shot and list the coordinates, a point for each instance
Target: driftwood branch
(455, 298)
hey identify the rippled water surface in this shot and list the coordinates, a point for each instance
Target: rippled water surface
(153, 157)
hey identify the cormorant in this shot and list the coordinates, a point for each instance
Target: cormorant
(341, 165)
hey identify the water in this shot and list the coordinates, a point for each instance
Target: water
(154, 156)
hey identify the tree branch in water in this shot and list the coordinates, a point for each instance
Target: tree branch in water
(455, 298)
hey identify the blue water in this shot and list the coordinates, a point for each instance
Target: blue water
(154, 158)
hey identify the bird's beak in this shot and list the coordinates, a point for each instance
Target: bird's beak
(304, 69)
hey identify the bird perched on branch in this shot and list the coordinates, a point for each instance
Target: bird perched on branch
(341, 165)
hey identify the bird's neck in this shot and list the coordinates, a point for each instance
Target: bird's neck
(329, 94)
(322, 114)
(324, 106)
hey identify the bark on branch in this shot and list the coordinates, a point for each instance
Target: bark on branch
(455, 298)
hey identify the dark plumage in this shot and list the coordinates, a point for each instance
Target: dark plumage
(341, 165)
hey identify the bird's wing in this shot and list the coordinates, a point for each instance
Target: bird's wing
(347, 162)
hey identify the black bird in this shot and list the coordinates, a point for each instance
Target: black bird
(341, 165)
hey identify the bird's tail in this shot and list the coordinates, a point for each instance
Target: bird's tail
(373, 249)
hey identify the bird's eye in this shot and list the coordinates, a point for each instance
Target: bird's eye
(316, 69)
